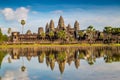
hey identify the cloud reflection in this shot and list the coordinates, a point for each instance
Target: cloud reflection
(15, 75)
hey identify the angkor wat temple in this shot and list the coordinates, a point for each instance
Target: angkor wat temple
(65, 33)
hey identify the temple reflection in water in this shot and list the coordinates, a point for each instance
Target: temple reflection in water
(63, 56)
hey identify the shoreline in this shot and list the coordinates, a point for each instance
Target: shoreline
(57, 45)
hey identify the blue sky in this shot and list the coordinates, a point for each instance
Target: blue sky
(37, 13)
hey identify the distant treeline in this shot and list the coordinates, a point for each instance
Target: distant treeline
(3, 37)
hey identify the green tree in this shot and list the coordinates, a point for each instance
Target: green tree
(90, 32)
(43, 35)
(62, 35)
(101, 36)
(51, 35)
(81, 34)
(90, 29)
(9, 31)
(115, 30)
(1, 34)
(22, 23)
(71, 38)
(108, 30)
(4, 38)
(23, 68)
(2, 56)
(61, 56)
(90, 61)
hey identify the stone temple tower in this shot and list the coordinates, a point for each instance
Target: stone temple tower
(51, 25)
(15, 36)
(76, 25)
(47, 28)
(40, 30)
(76, 29)
(61, 24)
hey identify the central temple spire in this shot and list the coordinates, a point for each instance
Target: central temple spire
(61, 24)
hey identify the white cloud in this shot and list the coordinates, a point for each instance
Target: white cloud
(8, 13)
(18, 14)
(57, 12)
(13, 75)
(21, 13)
(34, 12)
(99, 18)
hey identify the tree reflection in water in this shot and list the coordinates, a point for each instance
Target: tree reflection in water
(23, 68)
(9, 60)
(2, 55)
(65, 55)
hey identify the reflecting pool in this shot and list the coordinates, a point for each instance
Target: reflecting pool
(83, 63)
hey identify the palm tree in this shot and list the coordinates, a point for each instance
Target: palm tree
(71, 38)
(61, 56)
(51, 35)
(22, 23)
(43, 35)
(90, 31)
(116, 31)
(9, 31)
(101, 36)
(62, 35)
(90, 60)
(108, 30)
(81, 34)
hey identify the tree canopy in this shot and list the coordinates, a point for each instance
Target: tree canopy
(108, 29)
(9, 30)
(2, 36)
(61, 34)
(51, 34)
(23, 22)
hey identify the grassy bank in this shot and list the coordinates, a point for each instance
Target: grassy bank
(55, 45)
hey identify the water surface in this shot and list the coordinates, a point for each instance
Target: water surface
(91, 63)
